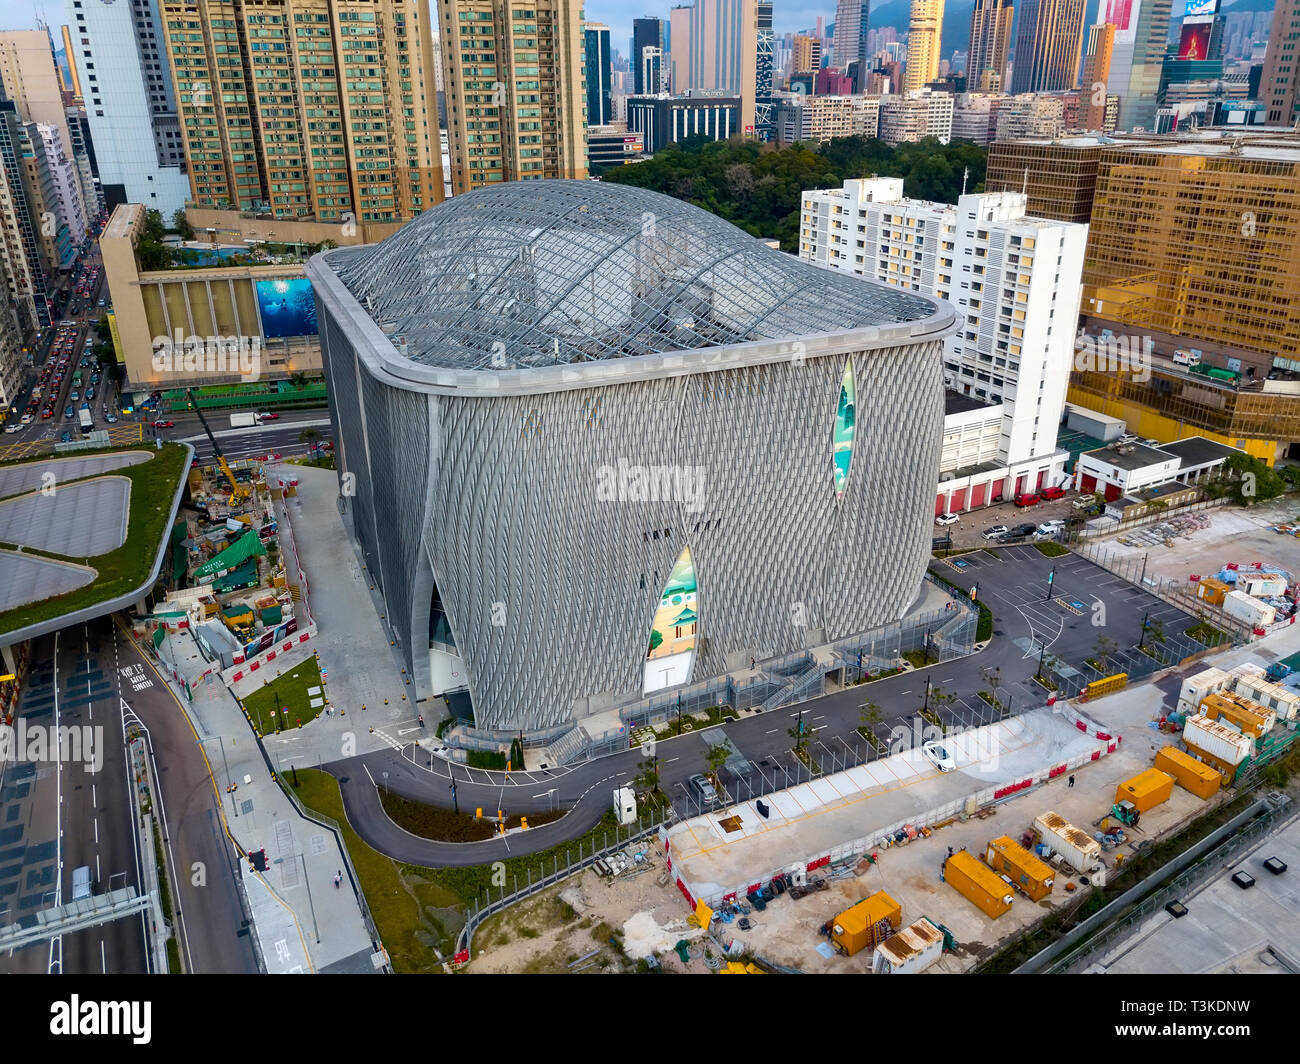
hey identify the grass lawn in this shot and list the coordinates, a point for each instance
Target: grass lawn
(445, 825)
(289, 690)
(153, 485)
(689, 722)
(1051, 548)
(1206, 633)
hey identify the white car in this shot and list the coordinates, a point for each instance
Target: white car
(946, 519)
(1128, 437)
(938, 756)
(996, 532)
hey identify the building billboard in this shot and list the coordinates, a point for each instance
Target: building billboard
(287, 307)
(1201, 7)
(1194, 41)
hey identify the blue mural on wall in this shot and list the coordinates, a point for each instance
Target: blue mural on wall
(287, 307)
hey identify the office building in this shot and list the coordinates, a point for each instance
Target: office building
(807, 55)
(679, 49)
(126, 81)
(664, 119)
(850, 32)
(1059, 175)
(724, 52)
(646, 33)
(599, 74)
(915, 116)
(975, 116)
(990, 45)
(1096, 75)
(764, 73)
(924, 29)
(27, 265)
(822, 118)
(302, 126)
(489, 446)
(610, 146)
(1015, 281)
(1280, 84)
(1137, 58)
(1032, 114)
(1049, 39)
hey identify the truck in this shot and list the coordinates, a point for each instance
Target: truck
(87, 422)
(1187, 357)
(244, 420)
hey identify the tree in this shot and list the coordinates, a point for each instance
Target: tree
(648, 778)
(298, 379)
(1105, 647)
(181, 224)
(311, 437)
(717, 757)
(870, 715)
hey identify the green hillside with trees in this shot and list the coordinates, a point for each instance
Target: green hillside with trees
(757, 186)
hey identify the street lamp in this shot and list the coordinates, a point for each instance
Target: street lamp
(1041, 654)
(454, 802)
(1051, 578)
(1141, 641)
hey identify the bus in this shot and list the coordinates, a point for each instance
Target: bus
(87, 422)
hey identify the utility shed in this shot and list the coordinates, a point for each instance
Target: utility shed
(866, 924)
(1027, 873)
(910, 951)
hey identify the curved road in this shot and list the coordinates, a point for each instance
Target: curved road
(1013, 583)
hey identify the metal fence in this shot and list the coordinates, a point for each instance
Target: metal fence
(1157, 517)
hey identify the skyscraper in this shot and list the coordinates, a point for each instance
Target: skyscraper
(850, 32)
(126, 80)
(599, 73)
(679, 49)
(20, 230)
(1096, 72)
(515, 85)
(1137, 59)
(291, 107)
(990, 42)
(764, 73)
(807, 54)
(724, 55)
(923, 33)
(1279, 88)
(646, 33)
(1049, 38)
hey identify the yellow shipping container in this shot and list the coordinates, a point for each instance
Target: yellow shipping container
(1212, 590)
(1190, 774)
(978, 883)
(1146, 790)
(1252, 724)
(1027, 872)
(866, 924)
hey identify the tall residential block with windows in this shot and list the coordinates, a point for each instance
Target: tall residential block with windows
(1014, 279)
(515, 90)
(307, 109)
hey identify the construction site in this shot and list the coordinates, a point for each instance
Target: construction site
(230, 583)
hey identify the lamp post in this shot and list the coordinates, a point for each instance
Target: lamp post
(454, 802)
(1145, 618)
(1041, 654)
(1051, 579)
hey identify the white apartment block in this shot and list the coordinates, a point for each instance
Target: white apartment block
(820, 118)
(1031, 114)
(915, 116)
(975, 116)
(1015, 281)
(65, 177)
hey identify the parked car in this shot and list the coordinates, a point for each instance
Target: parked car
(1053, 493)
(1084, 502)
(1022, 530)
(996, 532)
(938, 756)
(702, 790)
(1128, 437)
(1027, 498)
(1048, 530)
(946, 519)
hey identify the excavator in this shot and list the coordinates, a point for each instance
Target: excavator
(238, 492)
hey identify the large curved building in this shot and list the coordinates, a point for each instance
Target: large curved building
(596, 442)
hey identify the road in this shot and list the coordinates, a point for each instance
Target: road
(282, 435)
(1013, 581)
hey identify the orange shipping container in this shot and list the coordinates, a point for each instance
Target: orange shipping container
(1217, 707)
(1027, 872)
(1212, 590)
(1146, 790)
(978, 883)
(868, 923)
(1190, 774)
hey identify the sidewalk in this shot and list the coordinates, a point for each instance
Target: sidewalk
(294, 901)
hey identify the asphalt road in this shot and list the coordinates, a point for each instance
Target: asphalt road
(282, 435)
(211, 921)
(1013, 581)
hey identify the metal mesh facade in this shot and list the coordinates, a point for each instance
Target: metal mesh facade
(549, 582)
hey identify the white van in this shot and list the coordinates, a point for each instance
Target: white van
(81, 886)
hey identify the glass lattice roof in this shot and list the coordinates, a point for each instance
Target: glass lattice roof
(544, 273)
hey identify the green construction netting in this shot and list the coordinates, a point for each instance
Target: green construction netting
(180, 559)
(244, 576)
(246, 546)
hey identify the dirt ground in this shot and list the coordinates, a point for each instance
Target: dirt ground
(1234, 535)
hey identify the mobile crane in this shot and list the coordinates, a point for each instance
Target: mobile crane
(238, 492)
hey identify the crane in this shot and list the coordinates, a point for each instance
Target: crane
(238, 493)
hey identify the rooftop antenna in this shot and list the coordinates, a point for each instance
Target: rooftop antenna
(965, 175)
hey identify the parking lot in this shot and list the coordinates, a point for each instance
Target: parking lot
(1085, 602)
(968, 531)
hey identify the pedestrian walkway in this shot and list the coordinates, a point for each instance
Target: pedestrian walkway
(300, 918)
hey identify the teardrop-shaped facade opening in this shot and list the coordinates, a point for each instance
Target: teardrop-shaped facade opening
(672, 633)
(844, 423)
